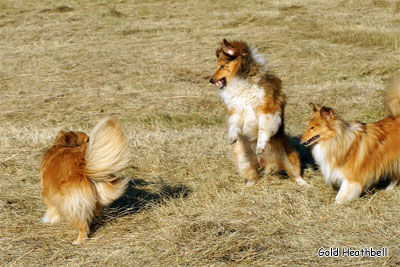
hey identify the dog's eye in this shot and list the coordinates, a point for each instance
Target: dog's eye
(312, 127)
(222, 66)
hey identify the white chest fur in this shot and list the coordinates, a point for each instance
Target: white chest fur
(243, 98)
(331, 175)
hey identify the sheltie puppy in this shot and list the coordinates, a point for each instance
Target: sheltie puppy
(255, 105)
(76, 174)
(355, 155)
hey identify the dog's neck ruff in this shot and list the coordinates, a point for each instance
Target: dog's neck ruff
(331, 174)
(330, 154)
(240, 92)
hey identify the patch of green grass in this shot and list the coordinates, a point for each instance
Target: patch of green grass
(3, 6)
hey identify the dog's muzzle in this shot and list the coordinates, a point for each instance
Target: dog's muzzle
(220, 84)
(311, 140)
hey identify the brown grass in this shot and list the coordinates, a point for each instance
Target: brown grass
(66, 65)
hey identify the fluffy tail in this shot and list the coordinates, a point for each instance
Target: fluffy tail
(106, 154)
(393, 96)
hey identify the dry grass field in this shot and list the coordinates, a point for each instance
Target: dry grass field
(66, 64)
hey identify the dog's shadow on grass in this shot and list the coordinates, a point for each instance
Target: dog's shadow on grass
(136, 199)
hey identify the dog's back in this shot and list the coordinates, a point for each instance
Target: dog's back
(64, 161)
(60, 162)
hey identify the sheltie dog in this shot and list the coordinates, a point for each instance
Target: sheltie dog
(355, 155)
(76, 174)
(255, 105)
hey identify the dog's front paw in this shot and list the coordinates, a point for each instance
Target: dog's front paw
(300, 181)
(78, 242)
(263, 143)
(233, 136)
(262, 147)
(260, 150)
(250, 183)
(45, 219)
(232, 140)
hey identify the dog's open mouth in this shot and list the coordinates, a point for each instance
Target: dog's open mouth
(311, 140)
(221, 83)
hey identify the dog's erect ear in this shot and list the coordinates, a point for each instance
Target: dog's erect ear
(80, 142)
(217, 52)
(59, 138)
(85, 140)
(227, 48)
(315, 107)
(67, 139)
(327, 113)
(81, 138)
(70, 139)
(60, 134)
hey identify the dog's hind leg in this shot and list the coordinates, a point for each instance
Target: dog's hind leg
(99, 209)
(83, 227)
(246, 162)
(291, 164)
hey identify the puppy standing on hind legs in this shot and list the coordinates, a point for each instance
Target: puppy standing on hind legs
(77, 174)
(356, 155)
(256, 110)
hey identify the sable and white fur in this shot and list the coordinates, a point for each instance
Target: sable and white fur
(255, 104)
(355, 155)
(76, 174)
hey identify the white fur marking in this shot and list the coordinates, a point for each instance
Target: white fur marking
(348, 192)
(331, 175)
(79, 204)
(268, 126)
(250, 183)
(391, 186)
(50, 218)
(243, 97)
(234, 128)
(262, 142)
(300, 181)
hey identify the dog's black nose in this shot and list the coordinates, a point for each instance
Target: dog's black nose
(212, 80)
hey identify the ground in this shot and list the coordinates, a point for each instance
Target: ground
(66, 64)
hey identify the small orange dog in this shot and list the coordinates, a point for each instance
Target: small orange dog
(356, 155)
(77, 174)
(256, 105)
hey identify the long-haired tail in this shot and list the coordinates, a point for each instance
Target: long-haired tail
(393, 96)
(106, 154)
